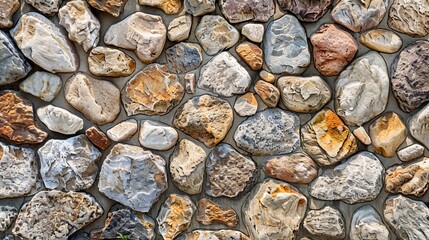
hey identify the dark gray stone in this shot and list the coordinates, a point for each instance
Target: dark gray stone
(245, 10)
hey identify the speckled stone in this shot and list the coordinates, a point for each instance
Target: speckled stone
(110, 62)
(268, 93)
(43, 85)
(113, 7)
(200, 7)
(98, 137)
(157, 135)
(306, 10)
(7, 216)
(367, 224)
(123, 131)
(381, 40)
(180, 28)
(190, 83)
(325, 223)
(47, 7)
(409, 17)
(251, 54)
(241, 11)
(7, 9)
(411, 152)
(214, 234)
(60, 120)
(184, 57)
(208, 213)
(167, 6)
(253, 31)
(246, 105)
(419, 126)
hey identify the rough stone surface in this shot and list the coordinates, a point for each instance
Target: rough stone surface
(60, 120)
(157, 135)
(41, 41)
(133, 177)
(190, 83)
(268, 93)
(306, 10)
(69, 164)
(97, 137)
(113, 7)
(168, 6)
(267, 76)
(419, 126)
(251, 54)
(123, 131)
(411, 152)
(200, 7)
(253, 31)
(381, 40)
(286, 47)
(180, 28)
(43, 85)
(361, 134)
(215, 235)
(7, 216)
(241, 11)
(359, 179)
(208, 213)
(367, 224)
(152, 91)
(215, 34)
(271, 131)
(53, 215)
(333, 49)
(143, 33)
(265, 214)
(326, 222)
(409, 17)
(246, 105)
(47, 7)
(184, 57)
(362, 89)
(7, 9)
(110, 62)
(97, 100)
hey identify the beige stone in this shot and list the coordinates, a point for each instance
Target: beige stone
(179, 28)
(208, 213)
(7, 9)
(110, 62)
(246, 105)
(381, 40)
(123, 131)
(253, 31)
(113, 7)
(190, 83)
(251, 54)
(269, 93)
(168, 6)
(267, 76)
(409, 17)
(361, 134)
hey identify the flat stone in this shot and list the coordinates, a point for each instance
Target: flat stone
(304, 94)
(205, 118)
(133, 177)
(241, 11)
(7, 9)
(361, 134)
(113, 7)
(367, 224)
(19, 171)
(190, 83)
(184, 57)
(168, 6)
(286, 47)
(253, 31)
(157, 135)
(265, 215)
(246, 105)
(419, 126)
(267, 76)
(110, 62)
(410, 83)
(46, 7)
(56, 215)
(97, 137)
(215, 34)
(271, 131)
(143, 33)
(7, 216)
(362, 89)
(175, 216)
(326, 222)
(69, 164)
(294, 168)
(180, 28)
(229, 173)
(358, 179)
(60, 120)
(268, 93)
(223, 75)
(43, 85)
(123, 131)
(251, 54)
(411, 152)
(356, 16)
(333, 49)
(381, 40)
(187, 167)
(409, 17)
(42, 42)
(17, 120)
(199, 7)
(208, 213)
(306, 10)
(97, 100)
(214, 234)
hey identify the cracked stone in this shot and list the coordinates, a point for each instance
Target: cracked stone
(208, 213)
(7, 216)
(43, 85)
(47, 7)
(251, 54)
(97, 137)
(157, 135)
(326, 223)
(180, 28)
(60, 120)
(110, 62)
(184, 57)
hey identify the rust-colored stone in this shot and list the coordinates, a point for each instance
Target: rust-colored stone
(209, 213)
(98, 137)
(251, 54)
(113, 7)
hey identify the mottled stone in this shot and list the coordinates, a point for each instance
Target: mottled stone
(326, 223)
(362, 89)
(133, 177)
(333, 49)
(60, 120)
(367, 224)
(43, 85)
(208, 213)
(157, 135)
(7, 9)
(97, 137)
(215, 34)
(267, 76)
(306, 10)
(47, 7)
(168, 6)
(253, 31)
(381, 40)
(251, 54)
(200, 7)
(241, 11)
(286, 47)
(184, 57)
(358, 179)
(411, 152)
(361, 134)
(113, 7)
(41, 41)
(190, 83)
(268, 93)
(214, 235)
(110, 62)
(7, 216)
(123, 131)
(265, 214)
(246, 105)
(409, 17)
(419, 126)
(143, 33)
(180, 28)
(54, 215)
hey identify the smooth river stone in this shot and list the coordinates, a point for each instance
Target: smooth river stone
(268, 93)
(47, 7)
(325, 223)
(251, 54)
(367, 224)
(43, 85)
(143, 33)
(265, 214)
(361, 134)
(184, 57)
(355, 16)
(180, 28)
(271, 131)
(362, 89)
(409, 17)
(247, 10)
(358, 179)
(168, 6)
(110, 62)
(253, 31)
(200, 7)
(157, 135)
(410, 78)
(214, 235)
(381, 40)
(304, 94)
(208, 213)
(98, 137)
(215, 34)
(113, 7)
(123, 131)
(246, 105)
(42, 42)
(69, 164)
(205, 118)
(54, 215)
(152, 91)
(411, 152)
(7, 9)
(133, 177)
(223, 75)
(97, 100)
(286, 47)
(419, 126)
(60, 120)
(306, 10)
(7, 216)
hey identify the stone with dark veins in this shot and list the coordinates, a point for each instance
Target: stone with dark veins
(409, 17)
(306, 10)
(325, 223)
(47, 7)
(245, 10)
(367, 224)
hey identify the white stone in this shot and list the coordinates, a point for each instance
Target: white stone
(367, 224)
(7, 216)
(253, 31)
(411, 152)
(246, 105)
(326, 223)
(419, 126)
(60, 120)
(179, 28)
(361, 134)
(200, 7)
(123, 131)
(43, 85)
(157, 135)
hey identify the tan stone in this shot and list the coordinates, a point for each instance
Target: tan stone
(209, 213)
(269, 94)
(190, 83)
(381, 40)
(168, 6)
(246, 105)
(361, 134)
(251, 54)
(110, 62)
(113, 7)
(179, 28)
(98, 137)
(267, 76)
(7, 9)
(410, 180)
(123, 131)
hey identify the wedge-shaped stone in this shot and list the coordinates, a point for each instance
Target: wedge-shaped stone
(241, 11)
(253, 31)
(180, 28)
(60, 120)
(246, 105)
(113, 7)
(367, 224)
(325, 223)
(43, 85)
(419, 126)
(410, 180)
(409, 17)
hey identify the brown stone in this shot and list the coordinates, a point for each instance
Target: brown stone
(269, 94)
(98, 137)
(306, 10)
(168, 6)
(209, 213)
(251, 54)
(7, 9)
(244, 10)
(113, 7)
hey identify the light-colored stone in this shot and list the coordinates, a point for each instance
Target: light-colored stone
(208, 213)
(168, 6)
(409, 17)
(253, 31)
(253, 10)
(325, 223)
(411, 152)
(200, 7)
(419, 126)
(267, 76)
(113, 7)
(184, 57)
(381, 40)
(47, 7)
(214, 234)
(43, 85)
(60, 120)
(110, 62)
(123, 131)
(98, 137)
(190, 83)
(361, 134)
(251, 54)
(7, 216)
(180, 28)
(246, 105)
(268, 93)
(157, 135)
(7, 9)
(367, 224)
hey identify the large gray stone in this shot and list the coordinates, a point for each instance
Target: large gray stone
(367, 224)
(43, 85)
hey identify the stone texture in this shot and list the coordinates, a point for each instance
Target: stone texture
(419, 126)
(180, 28)
(381, 40)
(110, 62)
(152, 91)
(251, 54)
(409, 17)
(157, 135)
(411, 152)
(7, 9)
(241, 11)
(215, 34)
(326, 223)
(294, 168)
(133, 177)
(187, 167)
(409, 73)
(356, 16)
(113, 7)
(199, 7)
(43, 85)
(143, 33)
(333, 49)
(53, 215)
(175, 216)
(60, 120)
(190, 83)
(359, 179)
(46, 7)
(42, 42)
(214, 234)
(362, 89)
(306, 10)
(168, 6)
(17, 120)
(208, 213)
(361, 134)
(97, 100)
(271, 131)
(286, 47)
(97, 137)
(184, 57)
(246, 105)
(265, 214)
(123, 131)
(253, 31)
(267, 76)
(268, 93)
(367, 224)
(69, 164)
(7, 216)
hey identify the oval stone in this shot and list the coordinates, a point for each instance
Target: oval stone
(381, 40)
